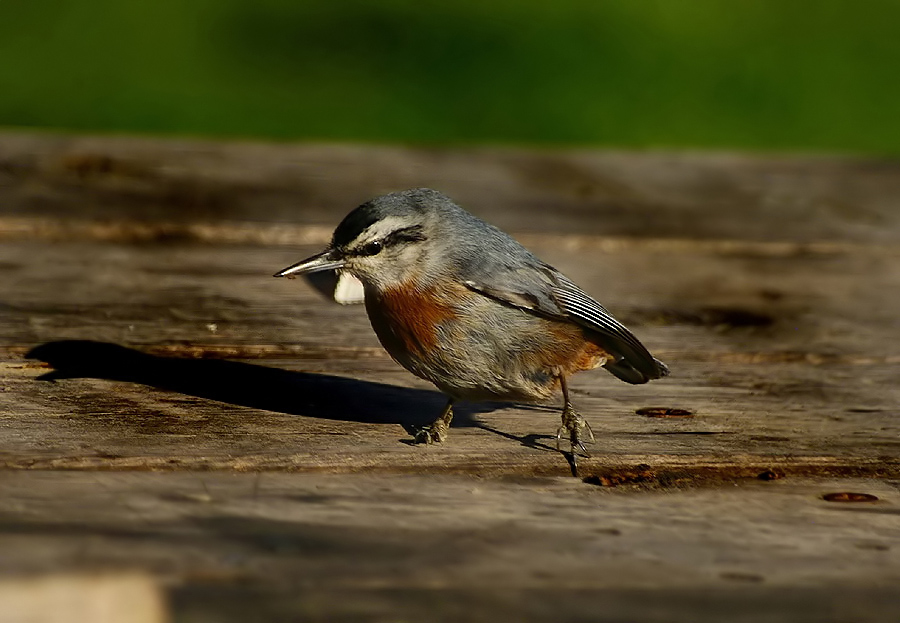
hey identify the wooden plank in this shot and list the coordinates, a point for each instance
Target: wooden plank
(168, 364)
(782, 362)
(376, 547)
(669, 195)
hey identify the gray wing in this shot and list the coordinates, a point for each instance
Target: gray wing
(541, 289)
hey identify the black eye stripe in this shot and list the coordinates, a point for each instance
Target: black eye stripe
(407, 234)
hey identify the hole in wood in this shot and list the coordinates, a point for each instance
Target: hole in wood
(847, 496)
(771, 474)
(665, 412)
(612, 478)
(733, 317)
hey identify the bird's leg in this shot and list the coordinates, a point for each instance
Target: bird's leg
(573, 425)
(437, 431)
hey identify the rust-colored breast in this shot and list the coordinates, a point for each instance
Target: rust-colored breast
(413, 315)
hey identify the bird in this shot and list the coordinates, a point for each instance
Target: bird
(459, 303)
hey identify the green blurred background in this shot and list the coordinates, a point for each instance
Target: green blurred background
(750, 74)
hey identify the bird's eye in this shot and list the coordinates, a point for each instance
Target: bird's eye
(372, 248)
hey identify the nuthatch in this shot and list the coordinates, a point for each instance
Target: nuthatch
(459, 303)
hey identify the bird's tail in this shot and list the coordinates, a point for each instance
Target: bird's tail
(628, 372)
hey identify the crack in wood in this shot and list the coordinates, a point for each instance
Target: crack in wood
(658, 470)
(284, 234)
(300, 351)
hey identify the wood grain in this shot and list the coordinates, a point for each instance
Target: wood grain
(141, 331)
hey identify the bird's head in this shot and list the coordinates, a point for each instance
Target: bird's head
(389, 240)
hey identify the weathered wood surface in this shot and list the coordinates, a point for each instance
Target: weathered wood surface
(375, 547)
(140, 272)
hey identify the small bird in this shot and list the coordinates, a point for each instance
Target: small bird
(459, 303)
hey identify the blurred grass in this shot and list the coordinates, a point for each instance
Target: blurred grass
(755, 74)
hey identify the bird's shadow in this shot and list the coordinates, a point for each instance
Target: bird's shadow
(284, 391)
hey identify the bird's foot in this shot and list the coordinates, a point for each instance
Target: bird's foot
(433, 433)
(573, 428)
(437, 431)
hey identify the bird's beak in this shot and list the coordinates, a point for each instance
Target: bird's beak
(326, 260)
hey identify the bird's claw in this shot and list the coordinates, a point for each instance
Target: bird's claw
(433, 433)
(437, 431)
(576, 444)
(572, 427)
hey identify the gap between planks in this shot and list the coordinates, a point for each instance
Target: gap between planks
(285, 234)
(299, 351)
(650, 470)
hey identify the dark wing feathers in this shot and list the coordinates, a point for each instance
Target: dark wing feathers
(545, 291)
(636, 364)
